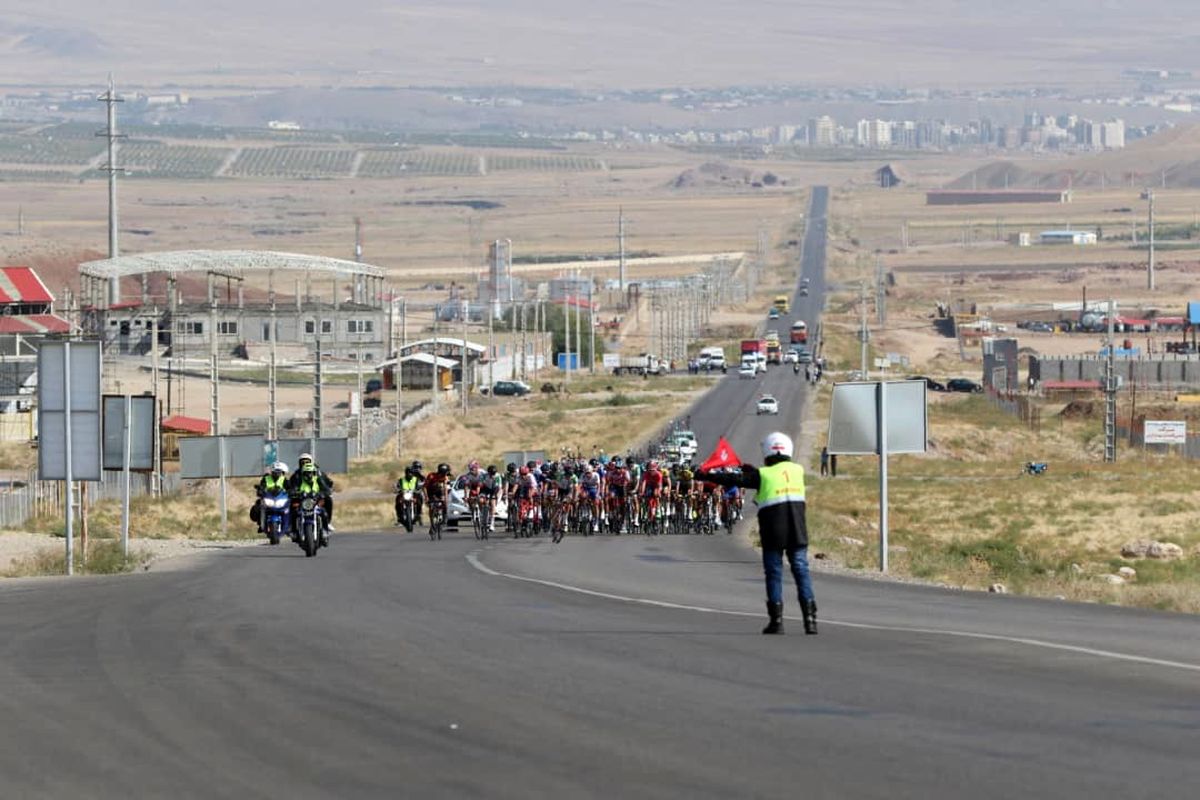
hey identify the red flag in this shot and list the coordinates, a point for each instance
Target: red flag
(723, 456)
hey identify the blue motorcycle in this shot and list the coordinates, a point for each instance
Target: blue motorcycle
(1035, 468)
(276, 511)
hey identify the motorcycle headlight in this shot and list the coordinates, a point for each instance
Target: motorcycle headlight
(308, 504)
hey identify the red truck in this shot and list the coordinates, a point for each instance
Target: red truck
(799, 332)
(756, 348)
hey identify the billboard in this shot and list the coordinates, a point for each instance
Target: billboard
(332, 455)
(142, 440)
(200, 456)
(73, 364)
(854, 417)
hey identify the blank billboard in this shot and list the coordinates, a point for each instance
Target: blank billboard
(141, 434)
(84, 378)
(854, 417)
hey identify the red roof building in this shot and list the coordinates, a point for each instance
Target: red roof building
(182, 424)
(26, 305)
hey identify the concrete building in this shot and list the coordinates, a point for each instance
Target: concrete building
(1067, 237)
(822, 132)
(340, 304)
(27, 316)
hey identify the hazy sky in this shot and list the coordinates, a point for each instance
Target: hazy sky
(596, 43)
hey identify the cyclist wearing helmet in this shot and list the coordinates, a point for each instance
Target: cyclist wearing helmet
(779, 494)
(272, 482)
(489, 489)
(437, 485)
(309, 467)
(590, 487)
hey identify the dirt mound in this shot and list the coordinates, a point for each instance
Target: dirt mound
(1082, 409)
(719, 173)
(1171, 157)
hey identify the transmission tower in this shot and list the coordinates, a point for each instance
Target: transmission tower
(1110, 395)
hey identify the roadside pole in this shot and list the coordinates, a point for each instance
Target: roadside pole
(881, 390)
(224, 483)
(128, 430)
(70, 495)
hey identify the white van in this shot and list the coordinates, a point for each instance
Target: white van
(712, 358)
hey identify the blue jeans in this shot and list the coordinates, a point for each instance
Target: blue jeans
(773, 571)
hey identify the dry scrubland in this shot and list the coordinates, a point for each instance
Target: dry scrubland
(962, 515)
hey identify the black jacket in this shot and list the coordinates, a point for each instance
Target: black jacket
(780, 527)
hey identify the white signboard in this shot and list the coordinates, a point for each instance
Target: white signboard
(200, 456)
(854, 418)
(1166, 432)
(612, 360)
(83, 377)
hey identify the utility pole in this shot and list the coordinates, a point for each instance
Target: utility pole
(578, 325)
(1150, 265)
(880, 294)
(398, 377)
(214, 411)
(524, 370)
(318, 404)
(491, 315)
(462, 367)
(862, 334)
(1110, 394)
(591, 330)
(621, 250)
(358, 248)
(110, 99)
(20, 220)
(272, 375)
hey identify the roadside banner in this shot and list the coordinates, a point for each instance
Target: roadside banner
(722, 456)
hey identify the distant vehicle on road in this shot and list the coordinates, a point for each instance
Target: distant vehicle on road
(510, 389)
(930, 383)
(799, 333)
(782, 304)
(963, 385)
(773, 313)
(748, 370)
(804, 291)
(791, 357)
(767, 404)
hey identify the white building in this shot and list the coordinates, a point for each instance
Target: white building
(1067, 237)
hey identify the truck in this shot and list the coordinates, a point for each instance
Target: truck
(641, 364)
(756, 351)
(799, 332)
(781, 304)
(774, 352)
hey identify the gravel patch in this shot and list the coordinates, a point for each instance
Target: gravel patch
(14, 546)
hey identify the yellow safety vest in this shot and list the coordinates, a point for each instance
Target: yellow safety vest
(780, 483)
(408, 484)
(271, 483)
(309, 484)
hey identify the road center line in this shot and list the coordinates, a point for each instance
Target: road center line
(473, 560)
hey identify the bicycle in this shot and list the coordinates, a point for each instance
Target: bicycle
(476, 517)
(437, 518)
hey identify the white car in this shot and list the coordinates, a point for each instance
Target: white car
(456, 508)
(791, 357)
(767, 404)
(749, 370)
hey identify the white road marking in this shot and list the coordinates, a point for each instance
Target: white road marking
(473, 560)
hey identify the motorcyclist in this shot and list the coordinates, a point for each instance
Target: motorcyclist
(323, 483)
(409, 483)
(308, 481)
(416, 466)
(273, 481)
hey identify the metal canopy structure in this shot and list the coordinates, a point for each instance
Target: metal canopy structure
(222, 261)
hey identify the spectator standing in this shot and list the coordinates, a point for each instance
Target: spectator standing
(824, 462)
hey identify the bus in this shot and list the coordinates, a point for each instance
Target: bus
(781, 304)
(799, 332)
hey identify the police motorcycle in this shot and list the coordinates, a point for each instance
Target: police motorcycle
(274, 507)
(311, 532)
(407, 505)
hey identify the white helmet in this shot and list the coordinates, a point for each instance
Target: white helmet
(279, 466)
(777, 444)
(306, 457)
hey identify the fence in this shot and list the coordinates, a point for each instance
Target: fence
(1135, 436)
(25, 499)
(1017, 405)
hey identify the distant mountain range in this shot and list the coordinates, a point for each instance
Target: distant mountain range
(583, 43)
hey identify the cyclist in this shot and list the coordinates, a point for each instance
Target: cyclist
(590, 486)
(436, 486)
(527, 487)
(489, 489)
(472, 482)
(685, 490)
(617, 480)
(653, 483)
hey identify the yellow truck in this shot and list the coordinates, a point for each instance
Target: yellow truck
(782, 304)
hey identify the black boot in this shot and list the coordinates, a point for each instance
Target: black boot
(809, 609)
(775, 612)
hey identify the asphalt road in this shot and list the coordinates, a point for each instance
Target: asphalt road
(729, 408)
(393, 666)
